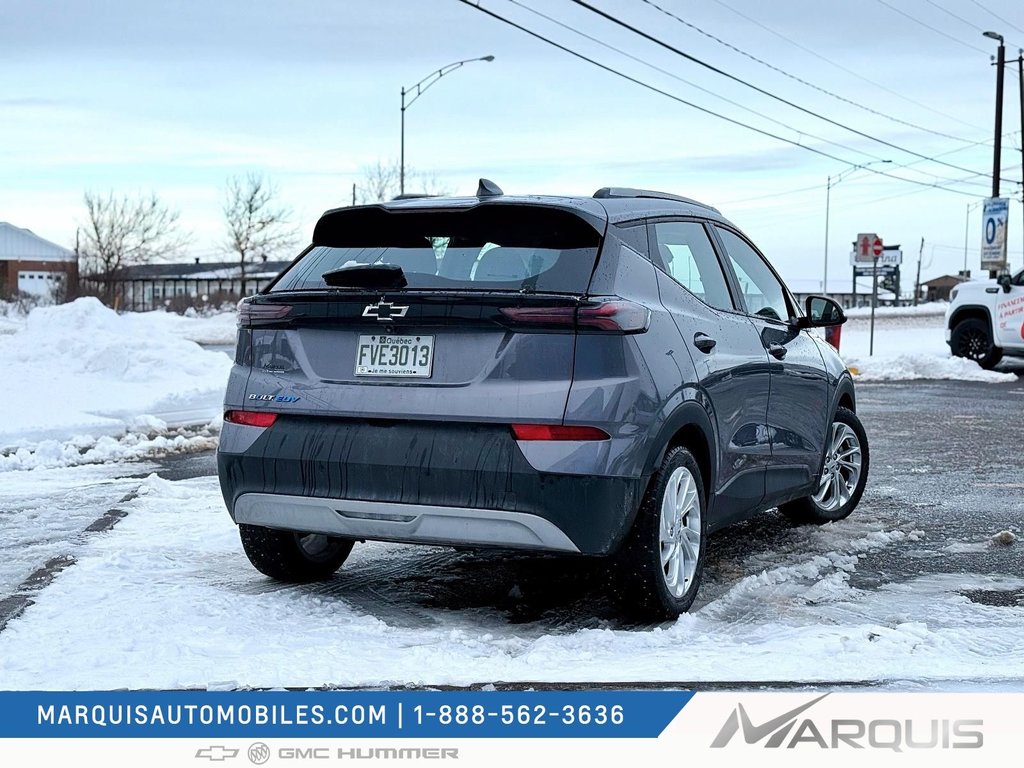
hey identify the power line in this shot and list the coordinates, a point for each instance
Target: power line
(990, 11)
(718, 70)
(840, 67)
(821, 186)
(958, 18)
(674, 76)
(800, 80)
(936, 30)
(476, 5)
(961, 19)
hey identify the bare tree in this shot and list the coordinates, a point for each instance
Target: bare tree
(381, 181)
(122, 231)
(257, 226)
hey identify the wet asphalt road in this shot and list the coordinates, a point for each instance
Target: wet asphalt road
(945, 460)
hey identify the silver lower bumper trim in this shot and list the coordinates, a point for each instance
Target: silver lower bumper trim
(390, 521)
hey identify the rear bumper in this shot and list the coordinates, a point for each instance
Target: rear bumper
(420, 482)
(387, 521)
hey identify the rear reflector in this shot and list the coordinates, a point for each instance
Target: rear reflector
(250, 314)
(251, 418)
(557, 432)
(613, 315)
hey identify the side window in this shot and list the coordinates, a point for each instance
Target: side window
(635, 236)
(762, 292)
(683, 250)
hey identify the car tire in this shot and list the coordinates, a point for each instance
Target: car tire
(972, 339)
(662, 561)
(291, 556)
(843, 475)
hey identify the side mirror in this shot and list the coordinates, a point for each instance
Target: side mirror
(822, 312)
(1004, 280)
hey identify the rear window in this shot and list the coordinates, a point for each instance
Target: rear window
(493, 247)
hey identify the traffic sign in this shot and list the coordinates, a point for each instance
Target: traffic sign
(867, 247)
(994, 220)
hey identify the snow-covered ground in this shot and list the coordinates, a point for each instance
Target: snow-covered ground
(78, 373)
(909, 343)
(168, 600)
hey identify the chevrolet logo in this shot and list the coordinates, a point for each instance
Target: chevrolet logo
(384, 310)
(216, 753)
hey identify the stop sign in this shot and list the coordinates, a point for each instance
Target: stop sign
(876, 247)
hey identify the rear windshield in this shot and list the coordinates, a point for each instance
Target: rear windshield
(495, 247)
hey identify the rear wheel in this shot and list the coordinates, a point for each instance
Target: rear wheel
(972, 338)
(661, 563)
(844, 474)
(292, 556)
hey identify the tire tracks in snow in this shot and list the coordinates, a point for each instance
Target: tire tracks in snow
(12, 606)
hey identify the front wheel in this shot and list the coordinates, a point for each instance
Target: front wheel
(844, 473)
(292, 556)
(972, 338)
(661, 562)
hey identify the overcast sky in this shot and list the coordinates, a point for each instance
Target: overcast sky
(174, 97)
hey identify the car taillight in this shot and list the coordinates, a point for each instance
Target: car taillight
(557, 432)
(613, 315)
(250, 315)
(251, 418)
(541, 315)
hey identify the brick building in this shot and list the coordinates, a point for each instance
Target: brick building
(29, 264)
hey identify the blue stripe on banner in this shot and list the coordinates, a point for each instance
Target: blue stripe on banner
(338, 714)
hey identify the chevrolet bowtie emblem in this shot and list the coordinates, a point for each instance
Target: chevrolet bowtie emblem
(384, 310)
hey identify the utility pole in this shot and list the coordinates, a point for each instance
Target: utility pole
(1020, 81)
(1000, 66)
(917, 282)
(353, 193)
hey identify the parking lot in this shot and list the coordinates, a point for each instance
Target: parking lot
(917, 589)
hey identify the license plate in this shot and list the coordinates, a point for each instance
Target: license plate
(393, 355)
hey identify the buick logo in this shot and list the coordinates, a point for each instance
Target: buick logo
(259, 753)
(384, 310)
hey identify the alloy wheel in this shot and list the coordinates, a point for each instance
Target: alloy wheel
(841, 472)
(679, 534)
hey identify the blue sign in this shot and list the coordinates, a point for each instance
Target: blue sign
(994, 220)
(338, 714)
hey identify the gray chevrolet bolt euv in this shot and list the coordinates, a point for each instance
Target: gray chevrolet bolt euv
(617, 375)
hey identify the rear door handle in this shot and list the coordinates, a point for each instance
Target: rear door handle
(777, 351)
(703, 342)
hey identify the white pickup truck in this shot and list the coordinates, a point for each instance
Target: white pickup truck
(985, 319)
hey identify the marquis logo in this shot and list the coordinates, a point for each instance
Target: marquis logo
(789, 730)
(777, 728)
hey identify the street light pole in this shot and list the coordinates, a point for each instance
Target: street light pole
(1000, 65)
(420, 88)
(828, 198)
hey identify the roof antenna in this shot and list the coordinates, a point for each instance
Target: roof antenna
(488, 188)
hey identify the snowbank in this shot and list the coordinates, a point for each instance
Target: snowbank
(923, 366)
(907, 347)
(79, 371)
(931, 309)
